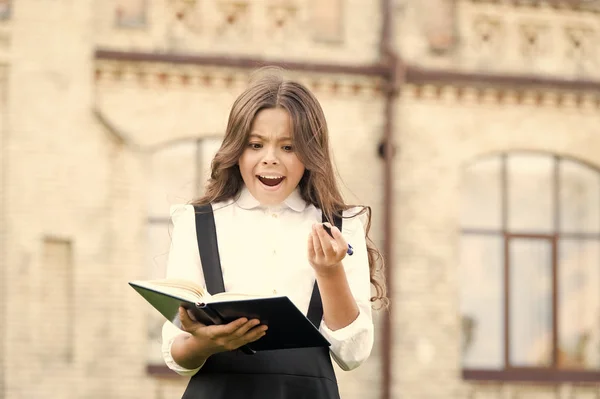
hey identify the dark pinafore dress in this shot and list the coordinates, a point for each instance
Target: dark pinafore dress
(282, 374)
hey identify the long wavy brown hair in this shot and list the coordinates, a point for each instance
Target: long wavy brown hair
(310, 139)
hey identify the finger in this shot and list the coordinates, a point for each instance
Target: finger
(240, 332)
(187, 324)
(224, 330)
(256, 333)
(340, 241)
(253, 335)
(326, 241)
(317, 242)
(311, 246)
(336, 233)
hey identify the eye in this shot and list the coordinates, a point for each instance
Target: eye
(255, 146)
(287, 148)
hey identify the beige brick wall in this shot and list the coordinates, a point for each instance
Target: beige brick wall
(66, 178)
(75, 152)
(80, 180)
(537, 38)
(253, 32)
(436, 138)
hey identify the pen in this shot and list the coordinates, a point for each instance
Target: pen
(350, 249)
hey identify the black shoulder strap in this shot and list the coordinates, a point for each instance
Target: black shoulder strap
(206, 234)
(315, 308)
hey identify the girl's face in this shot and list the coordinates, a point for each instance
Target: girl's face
(269, 166)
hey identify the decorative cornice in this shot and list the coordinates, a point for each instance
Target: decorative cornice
(134, 71)
(421, 76)
(541, 97)
(239, 62)
(154, 68)
(579, 5)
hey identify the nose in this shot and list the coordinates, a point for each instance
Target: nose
(270, 157)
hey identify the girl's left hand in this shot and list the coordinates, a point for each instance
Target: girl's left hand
(324, 252)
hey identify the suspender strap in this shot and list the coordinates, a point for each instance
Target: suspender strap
(206, 234)
(315, 308)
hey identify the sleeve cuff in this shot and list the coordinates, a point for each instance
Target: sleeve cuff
(351, 345)
(168, 358)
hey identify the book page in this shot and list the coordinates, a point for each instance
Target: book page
(193, 292)
(182, 288)
(236, 296)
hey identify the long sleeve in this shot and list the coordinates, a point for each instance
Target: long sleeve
(183, 263)
(352, 345)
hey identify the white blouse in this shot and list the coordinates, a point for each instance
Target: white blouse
(264, 250)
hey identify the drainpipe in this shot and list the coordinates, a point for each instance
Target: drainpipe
(391, 89)
(4, 187)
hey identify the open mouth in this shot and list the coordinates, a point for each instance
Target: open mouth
(270, 181)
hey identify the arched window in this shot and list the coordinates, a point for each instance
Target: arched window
(177, 174)
(530, 269)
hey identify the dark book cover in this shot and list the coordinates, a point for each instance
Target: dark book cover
(288, 327)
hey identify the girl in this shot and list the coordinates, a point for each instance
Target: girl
(272, 184)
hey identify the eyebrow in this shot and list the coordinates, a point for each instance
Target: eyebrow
(261, 137)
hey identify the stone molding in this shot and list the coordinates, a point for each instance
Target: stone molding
(541, 97)
(170, 76)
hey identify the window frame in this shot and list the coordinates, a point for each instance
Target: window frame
(161, 370)
(509, 373)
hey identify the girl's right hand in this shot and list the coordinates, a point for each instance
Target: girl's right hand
(221, 338)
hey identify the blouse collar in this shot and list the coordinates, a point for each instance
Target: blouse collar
(294, 201)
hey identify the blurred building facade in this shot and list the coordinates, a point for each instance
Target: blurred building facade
(471, 128)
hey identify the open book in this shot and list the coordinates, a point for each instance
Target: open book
(288, 326)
